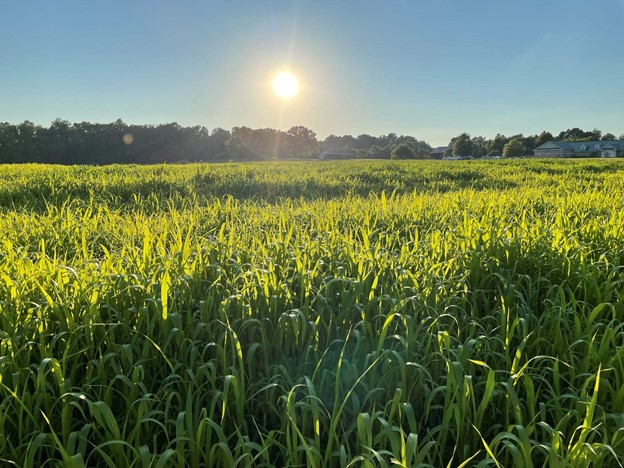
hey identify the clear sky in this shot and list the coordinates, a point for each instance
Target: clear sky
(431, 69)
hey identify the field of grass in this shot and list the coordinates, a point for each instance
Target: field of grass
(313, 314)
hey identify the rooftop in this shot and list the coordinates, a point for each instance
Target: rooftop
(582, 145)
(337, 151)
(440, 149)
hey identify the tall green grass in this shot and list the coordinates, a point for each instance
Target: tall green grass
(361, 314)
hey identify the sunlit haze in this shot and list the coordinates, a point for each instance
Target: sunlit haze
(428, 69)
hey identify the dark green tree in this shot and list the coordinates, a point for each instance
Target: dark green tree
(542, 138)
(514, 148)
(63, 142)
(214, 147)
(403, 151)
(479, 147)
(462, 145)
(364, 141)
(529, 143)
(334, 141)
(423, 153)
(379, 152)
(577, 134)
(302, 143)
(497, 144)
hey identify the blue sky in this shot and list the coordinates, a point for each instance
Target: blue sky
(431, 69)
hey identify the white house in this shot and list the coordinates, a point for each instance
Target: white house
(580, 149)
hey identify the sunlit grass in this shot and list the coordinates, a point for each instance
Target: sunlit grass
(360, 314)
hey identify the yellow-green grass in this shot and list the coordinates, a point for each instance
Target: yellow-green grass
(313, 314)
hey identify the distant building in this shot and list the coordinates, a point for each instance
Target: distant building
(336, 154)
(438, 153)
(580, 149)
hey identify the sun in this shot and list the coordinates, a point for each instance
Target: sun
(285, 85)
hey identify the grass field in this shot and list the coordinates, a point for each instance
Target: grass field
(313, 314)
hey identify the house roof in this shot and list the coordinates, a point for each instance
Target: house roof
(439, 149)
(582, 145)
(341, 151)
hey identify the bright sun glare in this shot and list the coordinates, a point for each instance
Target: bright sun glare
(285, 85)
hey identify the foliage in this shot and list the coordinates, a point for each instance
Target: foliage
(462, 145)
(514, 148)
(576, 134)
(91, 143)
(301, 142)
(542, 138)
(497, 144)
(529, 143)
(479, 146)
(304, 314)
(117, 142)
(403, 151)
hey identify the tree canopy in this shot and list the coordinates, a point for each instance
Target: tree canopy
(514, 148)
(403, 151)
(576, 134)
(63, 142)
(462, 145)
(542, 138)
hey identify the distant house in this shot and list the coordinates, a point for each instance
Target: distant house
(336, 154)
(438, 153)
(580, 149)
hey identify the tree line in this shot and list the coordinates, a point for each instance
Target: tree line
(518, 145)
(63, 142)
